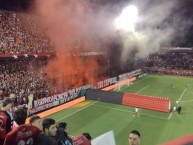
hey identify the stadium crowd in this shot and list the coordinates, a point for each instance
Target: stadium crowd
(175, 63)
(16, 77)
(19, 34)
(37, 132)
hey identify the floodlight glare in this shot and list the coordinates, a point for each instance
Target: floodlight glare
(126, 21)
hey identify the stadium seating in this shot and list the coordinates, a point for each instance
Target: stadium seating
(174, 62)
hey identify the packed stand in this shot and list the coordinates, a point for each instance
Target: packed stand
(176, 63)
(20, 34)
(18, 77)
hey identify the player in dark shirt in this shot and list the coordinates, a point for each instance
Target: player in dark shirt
(45, 140)
(49, 132)
(62, 134)
(42, 138)
(179, 109)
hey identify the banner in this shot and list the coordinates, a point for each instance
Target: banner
(105, 139)
(106, 82)
(130, 74)
(58, 99)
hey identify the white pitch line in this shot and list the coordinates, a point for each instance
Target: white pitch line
(130, 111)
(142, 89)
(170, 115)
(186, 101)
(76, 111)
(179, 101)
(153, 116)
(182, 94)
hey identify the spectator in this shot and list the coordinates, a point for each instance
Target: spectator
(134, 138)
(175, 62)
(88, 136)
(42, 138)
(62, 135)
(7, 104)
(24, 133)
(49, 129)
(18, 38)
(84, 139)
(16, 78)
(7, 119)
(36, 121)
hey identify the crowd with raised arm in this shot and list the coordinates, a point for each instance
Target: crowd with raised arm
(17, 78)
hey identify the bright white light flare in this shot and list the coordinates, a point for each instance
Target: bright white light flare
(126, 21)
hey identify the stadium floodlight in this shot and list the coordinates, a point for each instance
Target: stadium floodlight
(128, 18)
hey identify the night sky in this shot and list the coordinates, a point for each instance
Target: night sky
(18, 5)
(184, 11)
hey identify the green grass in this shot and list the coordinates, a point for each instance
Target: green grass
(155, 127)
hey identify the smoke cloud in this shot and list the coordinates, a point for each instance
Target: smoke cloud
(69, 25)
(66, 21)
(154, 29)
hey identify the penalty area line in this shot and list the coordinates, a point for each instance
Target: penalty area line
(122, 110)
(142, 89)
(187, 101)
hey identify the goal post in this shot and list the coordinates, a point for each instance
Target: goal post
(122, 85)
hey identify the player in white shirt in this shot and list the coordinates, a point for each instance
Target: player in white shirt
(136, 113)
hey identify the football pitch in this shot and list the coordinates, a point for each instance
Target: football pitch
(155, 127)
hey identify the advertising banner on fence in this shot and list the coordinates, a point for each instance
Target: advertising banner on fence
(58, 99)
(46, 103)
(129, 75)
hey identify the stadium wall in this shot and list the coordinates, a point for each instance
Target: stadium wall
(104, 96)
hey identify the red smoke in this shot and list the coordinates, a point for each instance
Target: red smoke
(64, 21)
